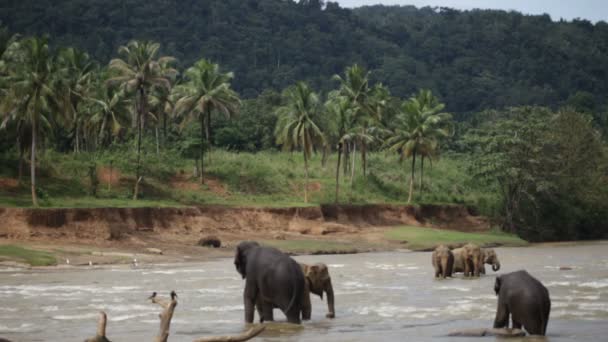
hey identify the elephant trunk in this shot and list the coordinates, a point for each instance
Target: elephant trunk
(444, 266)
(330, 300)
(496, 266)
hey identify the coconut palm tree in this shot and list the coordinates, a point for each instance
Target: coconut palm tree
(29, 91)
(110, 109)
(418, 128)
(341, 111)
(73, 83)
(206, 90)
(296, 127)
(162, 103)
(138, 72)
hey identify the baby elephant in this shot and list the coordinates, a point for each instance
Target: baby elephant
(317, 281)
(525, 299)
(443, 261)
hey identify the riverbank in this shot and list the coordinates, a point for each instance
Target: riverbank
(78, 236)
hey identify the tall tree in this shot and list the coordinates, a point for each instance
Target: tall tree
(205, 91)
(296, 127)
(74, 81)
(138, 72)
(417, 131)
(29, 91)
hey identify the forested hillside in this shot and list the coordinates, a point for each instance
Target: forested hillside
(472, 60)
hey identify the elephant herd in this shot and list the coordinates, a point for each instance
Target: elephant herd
(520, 296)
(469, 259)
(275, 280)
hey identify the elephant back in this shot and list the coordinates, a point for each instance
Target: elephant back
(458, 259)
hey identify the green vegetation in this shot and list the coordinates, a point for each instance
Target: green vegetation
(416, 238)
(317, 247)
(29, 256)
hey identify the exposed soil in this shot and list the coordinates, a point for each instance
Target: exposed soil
(176, 231)
(107, 175)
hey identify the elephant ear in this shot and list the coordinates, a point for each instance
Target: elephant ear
(240, 259)
(497, 285)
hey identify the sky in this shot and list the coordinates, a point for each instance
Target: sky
(592, 10)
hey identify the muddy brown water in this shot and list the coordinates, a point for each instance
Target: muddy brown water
(379, 297)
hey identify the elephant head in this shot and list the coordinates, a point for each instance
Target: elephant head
(491, 258)
(240, 257)
(473, 259)
(319, 281)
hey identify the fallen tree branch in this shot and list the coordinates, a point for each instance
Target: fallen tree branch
(249, 334)
(101, 329)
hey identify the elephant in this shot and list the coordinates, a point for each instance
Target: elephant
(317, 281)
(443, 261)
(490, 258)
(468, 259)
(273, 277)
(525, 299)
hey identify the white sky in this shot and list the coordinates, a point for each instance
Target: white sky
(593, 10)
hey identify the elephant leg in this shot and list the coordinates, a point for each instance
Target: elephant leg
(502, 316)
(329, 289)
(259, 305)
(482, 269)
(306, 305)
(467, 268)
(267, 312)
(516, 324)
(250, 297)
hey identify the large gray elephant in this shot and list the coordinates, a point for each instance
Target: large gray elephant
(443, 261)
(525, 299)
(489, 258)
(273, 277)
(317, 281)
(468, 259)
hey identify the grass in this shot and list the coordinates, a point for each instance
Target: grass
(29, 256)
(316, 246)
(268, 178)
(417, 238)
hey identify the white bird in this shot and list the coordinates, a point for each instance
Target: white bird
(134, 262)
(90, 263)
(67, 261)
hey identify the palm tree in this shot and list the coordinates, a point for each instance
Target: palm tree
(139, 72)
(418, 128)
(366, 102)
(74, 82)
(296, 127)
(162, 102)
(206, 90)
(29, 90)
(341, 111)
(109, 111)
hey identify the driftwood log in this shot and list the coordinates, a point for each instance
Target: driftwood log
(501, 332)
(101, 329)
(165, 325)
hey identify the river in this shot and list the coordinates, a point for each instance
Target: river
(379, 297)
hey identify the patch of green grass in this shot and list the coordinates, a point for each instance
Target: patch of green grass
(32, 257)
(419, 238)
(313, 246)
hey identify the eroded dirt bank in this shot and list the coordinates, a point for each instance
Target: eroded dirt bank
(118, 223)
(115, 235)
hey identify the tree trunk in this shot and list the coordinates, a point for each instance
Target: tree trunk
(102, 130)
(306, 177)
(326, 151)
(33, 164)
(164, 129)
(352, 170)
(208, 134)
(338, 171)
(139, 129)
(202, 148)
(409, 197)
(20, 166)
(157, 141)
(364, 158)
(346, 158)
(421, 174)
(431, 170)
(77, 145)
